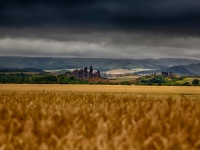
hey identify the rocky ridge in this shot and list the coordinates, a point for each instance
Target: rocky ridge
(85, 74)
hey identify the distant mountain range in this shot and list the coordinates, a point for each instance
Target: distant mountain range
(183, 66)
(191, 69)
(179, 70)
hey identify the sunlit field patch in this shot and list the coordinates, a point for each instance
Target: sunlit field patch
(155, 91)
(103, 121)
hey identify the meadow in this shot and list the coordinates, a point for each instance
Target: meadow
(99, 117)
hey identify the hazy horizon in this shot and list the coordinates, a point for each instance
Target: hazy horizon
(63, 57)
(45, 56)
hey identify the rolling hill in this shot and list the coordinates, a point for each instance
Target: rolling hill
(179, 70)
(102, 64)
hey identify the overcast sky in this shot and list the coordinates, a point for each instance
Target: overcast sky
(100, 28)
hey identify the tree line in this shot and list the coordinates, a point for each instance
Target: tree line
(21, 78)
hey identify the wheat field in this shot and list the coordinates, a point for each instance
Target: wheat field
(156, 91)
(43, 120)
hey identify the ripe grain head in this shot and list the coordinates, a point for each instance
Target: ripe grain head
(59, 121)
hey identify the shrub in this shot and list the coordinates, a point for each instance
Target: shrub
(195, 82)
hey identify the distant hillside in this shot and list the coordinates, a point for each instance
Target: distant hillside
(179, 70)
(191, 69)
(194, 68)
(46, 63)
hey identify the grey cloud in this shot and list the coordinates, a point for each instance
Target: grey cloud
(100, 28)
(33, 47)
(113, 37)
(181, 16)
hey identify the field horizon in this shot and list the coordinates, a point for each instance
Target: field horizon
(156, 91)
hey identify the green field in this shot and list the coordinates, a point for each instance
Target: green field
(122, 78)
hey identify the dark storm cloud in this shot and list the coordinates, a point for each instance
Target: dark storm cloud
(100, 28)
(178, 15)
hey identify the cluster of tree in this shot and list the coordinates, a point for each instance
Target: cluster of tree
(169, 81)
(62, 79)
(156, 80)
(15, 78)
(26, 78)
(45, 79)
(40, 79)
(195, 82)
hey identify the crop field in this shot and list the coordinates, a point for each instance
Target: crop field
(155, 91)
(99, 117)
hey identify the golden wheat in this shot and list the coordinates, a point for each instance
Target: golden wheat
(69, 121)
(156, 91)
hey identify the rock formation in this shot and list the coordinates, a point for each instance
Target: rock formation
(91, 71)
(84, 74)
(167, 73)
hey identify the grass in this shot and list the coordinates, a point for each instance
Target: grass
(103, 121)
(175, 80)
(189, 80)
(122, 78)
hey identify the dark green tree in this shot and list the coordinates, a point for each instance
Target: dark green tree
(195, 82)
